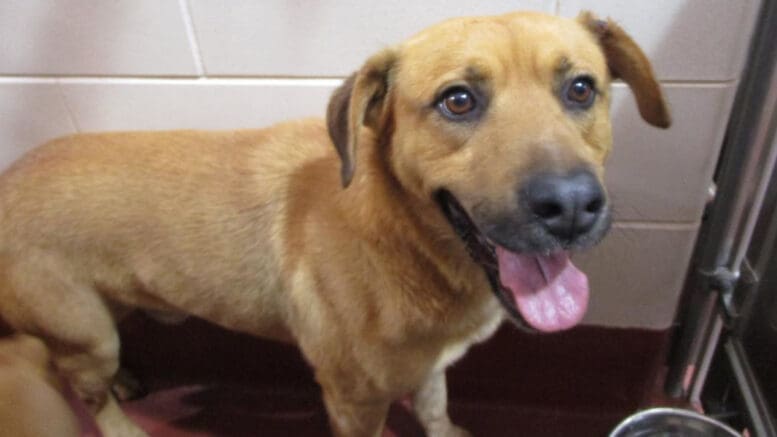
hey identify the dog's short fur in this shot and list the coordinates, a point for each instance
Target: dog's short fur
(327, 234)
(31, 403)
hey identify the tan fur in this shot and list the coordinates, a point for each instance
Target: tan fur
(30, 401)
(253, 229)
(626, 61)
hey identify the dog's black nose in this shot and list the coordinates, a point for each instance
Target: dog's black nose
(568, 205)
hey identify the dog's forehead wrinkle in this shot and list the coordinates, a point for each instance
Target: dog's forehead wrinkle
(508, 40)
(567, 68)
(473, 73)
(475, 70)
(477, 73)
(572, 49)
(475, 42)
(563, 64)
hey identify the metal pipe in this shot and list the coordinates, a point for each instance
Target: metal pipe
(700, 376)
(762, 140)
(759, 420)
(748, 161)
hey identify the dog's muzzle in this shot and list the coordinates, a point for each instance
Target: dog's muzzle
(540, 291)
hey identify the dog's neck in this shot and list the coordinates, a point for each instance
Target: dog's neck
(414, 222)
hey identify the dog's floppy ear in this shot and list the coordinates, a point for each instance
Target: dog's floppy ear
(359, 102)
(627, 62)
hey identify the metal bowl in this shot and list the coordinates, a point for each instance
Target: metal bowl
(671, 422)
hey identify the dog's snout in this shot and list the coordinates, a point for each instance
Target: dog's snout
(568, 205)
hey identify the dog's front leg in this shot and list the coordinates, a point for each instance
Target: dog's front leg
(430, 403)
(350, 417)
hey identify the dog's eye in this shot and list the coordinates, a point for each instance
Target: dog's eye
(579, 93)
(457, 102)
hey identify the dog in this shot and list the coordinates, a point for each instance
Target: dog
(31, 401)
(452, 178)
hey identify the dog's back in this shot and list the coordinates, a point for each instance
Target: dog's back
(146, 198)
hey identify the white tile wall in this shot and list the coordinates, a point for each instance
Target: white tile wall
(318, 38)
(636, 275)
(30, 113)
(194, 104)
(78, 65)
(658, 175)
(84, 37)
(686, 39)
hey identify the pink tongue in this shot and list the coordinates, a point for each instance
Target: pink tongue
(551, 293)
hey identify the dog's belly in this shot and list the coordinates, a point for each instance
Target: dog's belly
(253, 304)
(239, 291)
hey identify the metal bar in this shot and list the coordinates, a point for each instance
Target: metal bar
(700, 376)
(746, 159)
(764, 146)
(758, 418)
(680, 376)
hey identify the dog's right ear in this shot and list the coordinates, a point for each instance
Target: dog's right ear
(361, 101)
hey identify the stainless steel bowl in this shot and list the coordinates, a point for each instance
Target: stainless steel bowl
(671, 422)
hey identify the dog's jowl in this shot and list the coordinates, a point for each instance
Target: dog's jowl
(454, 175)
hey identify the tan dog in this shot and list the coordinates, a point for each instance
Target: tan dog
(480, 145)
(30, 401)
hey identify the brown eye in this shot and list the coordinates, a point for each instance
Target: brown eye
(457, 102)
(579, 93)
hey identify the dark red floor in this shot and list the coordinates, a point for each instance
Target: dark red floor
(205, 381)
(234, 411)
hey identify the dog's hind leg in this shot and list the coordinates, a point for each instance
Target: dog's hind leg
(42, 295)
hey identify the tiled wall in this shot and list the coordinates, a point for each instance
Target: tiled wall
(83, 65)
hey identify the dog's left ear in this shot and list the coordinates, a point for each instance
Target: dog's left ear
(628, 62)
(361, 101)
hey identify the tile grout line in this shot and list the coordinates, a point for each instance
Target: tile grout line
(663, 226)
(189, 80)
(192, 37)
(29, 78)
(71, 115)
(698, 82)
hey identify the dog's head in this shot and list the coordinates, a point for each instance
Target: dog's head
(504, 122)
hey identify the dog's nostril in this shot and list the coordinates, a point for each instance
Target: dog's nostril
(567, 205)
(547, 210)
(594, 206)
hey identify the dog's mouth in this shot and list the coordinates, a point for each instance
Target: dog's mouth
(541, 292)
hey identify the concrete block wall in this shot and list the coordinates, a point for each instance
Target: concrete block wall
(78, 65)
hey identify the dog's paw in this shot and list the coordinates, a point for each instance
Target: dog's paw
(127, 387)
(112, 422)
(128, 430)
(167, 317)
(456, 431)
(449, 431)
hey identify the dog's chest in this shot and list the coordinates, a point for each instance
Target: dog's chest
(492, 317)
